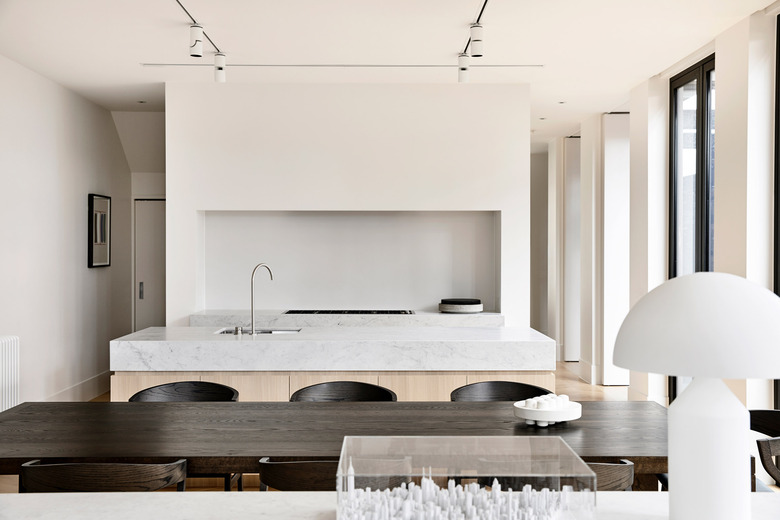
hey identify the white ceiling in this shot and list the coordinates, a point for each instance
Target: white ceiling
(591, 52)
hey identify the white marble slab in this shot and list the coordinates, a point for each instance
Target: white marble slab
(276, 318)
(335, 348)
(288, 505)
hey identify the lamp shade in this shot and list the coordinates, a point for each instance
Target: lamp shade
(703, 324)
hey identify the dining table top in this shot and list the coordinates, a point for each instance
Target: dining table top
(232, 437)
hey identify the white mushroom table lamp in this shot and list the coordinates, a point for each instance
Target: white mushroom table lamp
(709, 326)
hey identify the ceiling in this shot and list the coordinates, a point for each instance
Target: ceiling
(580, 57)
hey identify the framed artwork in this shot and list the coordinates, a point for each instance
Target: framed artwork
(99, 231)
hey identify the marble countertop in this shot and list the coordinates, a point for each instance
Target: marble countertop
(288, 505)
(277, 318)
(335, 348)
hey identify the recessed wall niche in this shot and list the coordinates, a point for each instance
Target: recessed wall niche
(352, 259)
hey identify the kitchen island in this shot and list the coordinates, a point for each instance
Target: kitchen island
(418, 363)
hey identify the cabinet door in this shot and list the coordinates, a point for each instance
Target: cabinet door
(423, 386)
(124, 385)
(254, 386)
(300, 380)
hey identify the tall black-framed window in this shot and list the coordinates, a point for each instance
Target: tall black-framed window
(692, 175)
(777, 185)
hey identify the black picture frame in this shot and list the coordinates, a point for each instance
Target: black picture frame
(99, 231)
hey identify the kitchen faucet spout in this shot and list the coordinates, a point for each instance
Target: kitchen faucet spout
(253, 292)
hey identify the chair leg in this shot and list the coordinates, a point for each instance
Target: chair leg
(238, 478)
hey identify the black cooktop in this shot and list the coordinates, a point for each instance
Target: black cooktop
(298, 311)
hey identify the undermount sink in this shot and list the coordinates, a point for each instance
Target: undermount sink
(247, 331)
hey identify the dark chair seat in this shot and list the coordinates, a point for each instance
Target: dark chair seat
(35, 477)
(194, 391)
(343, 391)
(497, 391)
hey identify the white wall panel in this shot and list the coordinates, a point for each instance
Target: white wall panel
(346, 148)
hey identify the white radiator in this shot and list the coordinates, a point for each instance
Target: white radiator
(9, 372)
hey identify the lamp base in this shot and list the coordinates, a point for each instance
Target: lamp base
(709, 456)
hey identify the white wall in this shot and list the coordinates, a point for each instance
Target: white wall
(350, 260)
(539, 242)
(345, 148)
(744, 152)
(649, 246)
(55, 148)
(143, 140)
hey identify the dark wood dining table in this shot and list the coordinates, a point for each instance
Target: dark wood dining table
(232, 437)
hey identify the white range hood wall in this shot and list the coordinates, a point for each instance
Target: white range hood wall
(343, 148)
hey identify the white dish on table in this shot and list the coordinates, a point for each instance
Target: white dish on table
(536, 411)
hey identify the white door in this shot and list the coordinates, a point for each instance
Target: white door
(149, 264)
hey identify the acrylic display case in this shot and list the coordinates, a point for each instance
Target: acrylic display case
(483, 477)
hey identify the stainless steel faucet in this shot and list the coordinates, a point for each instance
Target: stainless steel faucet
(253, 292)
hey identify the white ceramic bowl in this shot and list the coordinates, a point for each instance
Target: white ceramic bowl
(569, 412)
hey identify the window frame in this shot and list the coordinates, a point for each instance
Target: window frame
(777, 186)
(699, 72)
(702, 262)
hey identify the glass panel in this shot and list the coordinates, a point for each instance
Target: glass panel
(711, 168)
(463, 477)
(685, 147)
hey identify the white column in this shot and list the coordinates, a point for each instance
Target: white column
(604, 242)
(591, 247)
(539, 237)
(744, 154)
(555, 220)
(649, 247)
(571, 249)
(615, 230)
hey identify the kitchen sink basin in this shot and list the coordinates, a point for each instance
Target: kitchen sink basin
(247, 331)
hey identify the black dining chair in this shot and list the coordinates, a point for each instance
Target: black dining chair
(497, 391)
(317, 475)
(181, 391)
(613, 476)
(35, 477)
(298, 475)
(768, 423)
(767, 449)
(194, 391)
(343, 391)
(294, 474)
